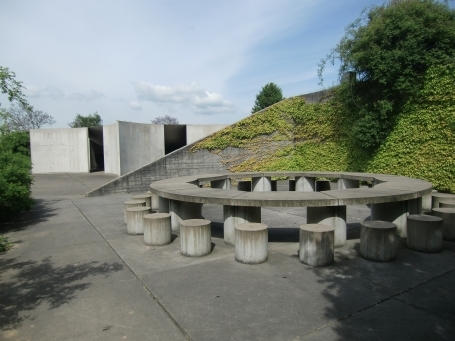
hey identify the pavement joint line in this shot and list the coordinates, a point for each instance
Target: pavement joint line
(420, 308)
(393, 297)
(155, 298)
(72, 177)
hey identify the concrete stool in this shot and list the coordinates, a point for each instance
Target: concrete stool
(317, 243)
(447, 204)
(146, 197)
(378, 240)
(251, 243)
(135, 220)
(322, 185)
(424, 233)
(132, 203)
(244, 185)
(195, 237)
(157, 229)
(436, 197)
(448, 222)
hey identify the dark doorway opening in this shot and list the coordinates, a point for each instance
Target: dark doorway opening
(95, 135)
(174, 137)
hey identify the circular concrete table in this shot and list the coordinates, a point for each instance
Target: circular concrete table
(391, 198)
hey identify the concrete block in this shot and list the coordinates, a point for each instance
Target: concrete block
(146, 197)
(347, 183)
(322, 185)
(251, 243)
(447, 204)
(244, 185)
(157, 229)
(334, 216)
(305, 184)
(195, 237)
(262, 184)
(317, 244)
(221, 184)
(132, 203)
(378, 240)
(135, 219)
(424, 233)
(448, 222)
(394, 212)
(163, 205)
(236, 215)
(181, 210)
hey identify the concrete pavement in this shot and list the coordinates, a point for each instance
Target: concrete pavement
(74, 274)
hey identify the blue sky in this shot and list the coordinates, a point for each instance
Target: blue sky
(202, 62)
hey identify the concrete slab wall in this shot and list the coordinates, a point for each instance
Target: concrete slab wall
(60, 150)
(196, 132)
(139, 145)
(111, 149)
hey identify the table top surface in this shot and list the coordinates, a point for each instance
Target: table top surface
(386, 188)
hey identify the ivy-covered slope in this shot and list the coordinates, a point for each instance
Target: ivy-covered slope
(293, 135)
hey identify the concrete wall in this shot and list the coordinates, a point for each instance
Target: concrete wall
(139, 144)
(111, 149)
(60, 150)
(196, 132)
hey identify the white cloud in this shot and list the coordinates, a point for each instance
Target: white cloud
(86, 96)
(135, 105)
(45, 91)
(201, 101)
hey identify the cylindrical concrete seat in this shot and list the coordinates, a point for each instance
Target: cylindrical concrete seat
(195, 237)
(157, 229)
(251, 243)
(448, 221)
(447, 204)
(424, 233)
(135, 219)
(244, 185)
(317, 244)
(132, 203)
(436, 197)
(378, 240)
(146, 197)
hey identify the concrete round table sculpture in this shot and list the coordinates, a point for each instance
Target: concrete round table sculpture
(391, 198)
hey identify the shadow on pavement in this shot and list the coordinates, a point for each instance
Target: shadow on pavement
(40, 212)
(32, 283)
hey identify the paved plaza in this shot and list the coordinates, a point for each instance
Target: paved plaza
(74, 274)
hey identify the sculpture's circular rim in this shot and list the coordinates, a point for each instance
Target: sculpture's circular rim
(386, 188)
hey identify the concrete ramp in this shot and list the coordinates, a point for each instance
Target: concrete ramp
(181, 162)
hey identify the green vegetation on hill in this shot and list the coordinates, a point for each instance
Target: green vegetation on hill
(293, 135)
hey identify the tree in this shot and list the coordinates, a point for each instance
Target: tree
(390, 48)
(165, 120)
(23, 118)
(91, 120)
(269, 94)
(11, 87)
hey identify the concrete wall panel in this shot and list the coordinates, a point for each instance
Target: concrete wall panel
(196, 132)
(111, 149)
(139, 144)
(60, 150)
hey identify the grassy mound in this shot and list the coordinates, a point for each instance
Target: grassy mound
(293, 135)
